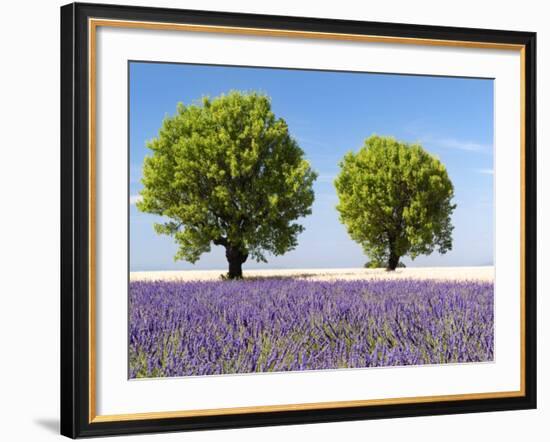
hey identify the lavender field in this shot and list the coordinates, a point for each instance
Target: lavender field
(280, 324)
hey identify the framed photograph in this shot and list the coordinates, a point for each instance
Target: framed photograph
(272, 220)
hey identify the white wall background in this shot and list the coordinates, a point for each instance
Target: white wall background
(29, 220)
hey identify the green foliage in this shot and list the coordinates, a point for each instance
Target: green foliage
(395, 200)
(373, 264)
(379, 265)
(226, 171)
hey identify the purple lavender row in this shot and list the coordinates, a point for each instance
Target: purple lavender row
(265, 325)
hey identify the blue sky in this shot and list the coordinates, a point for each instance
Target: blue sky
(329, 114)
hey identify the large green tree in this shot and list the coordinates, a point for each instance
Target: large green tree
(395, 200)
(227, 172)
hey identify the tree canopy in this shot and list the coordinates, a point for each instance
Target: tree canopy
(395, 200)
(226, 171)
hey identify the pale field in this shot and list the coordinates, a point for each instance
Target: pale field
(485, 273)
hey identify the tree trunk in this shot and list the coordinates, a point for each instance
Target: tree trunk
(235, 258)
(393, 260)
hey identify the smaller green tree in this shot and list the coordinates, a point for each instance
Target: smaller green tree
(395, 200)
(227, 172)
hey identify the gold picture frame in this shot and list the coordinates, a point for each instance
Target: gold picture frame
(79, 54)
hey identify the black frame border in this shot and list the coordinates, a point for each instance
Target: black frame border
(75, 220)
